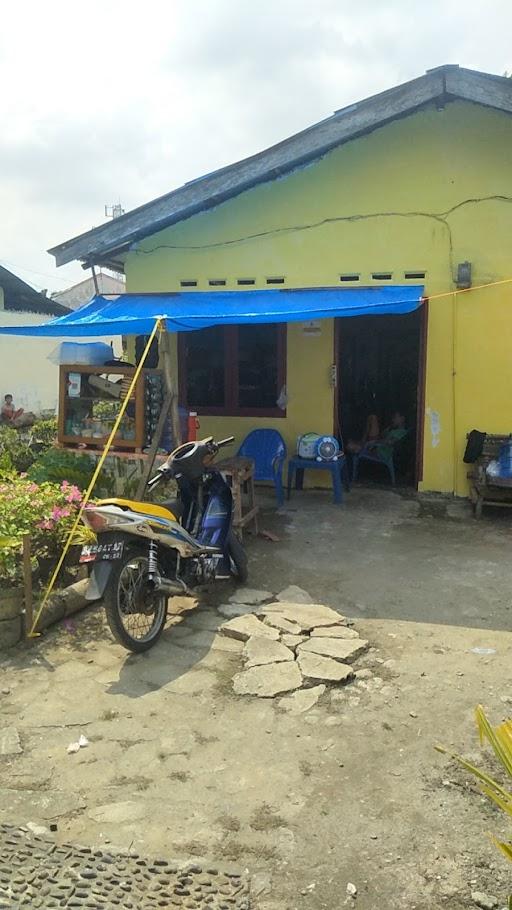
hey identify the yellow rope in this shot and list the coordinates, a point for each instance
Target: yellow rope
(110, 440)
(478, 287)
(157, 326)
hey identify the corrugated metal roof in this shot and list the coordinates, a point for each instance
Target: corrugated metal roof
(19, 296)
(444, 84)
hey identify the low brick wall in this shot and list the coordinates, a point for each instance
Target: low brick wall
(11, 609)
(61, 604)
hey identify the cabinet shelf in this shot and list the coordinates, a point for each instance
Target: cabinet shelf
(81, 423)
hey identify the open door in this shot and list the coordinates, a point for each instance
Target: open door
(380, 369)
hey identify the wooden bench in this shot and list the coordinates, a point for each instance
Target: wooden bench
(239, 472)
(483, 490)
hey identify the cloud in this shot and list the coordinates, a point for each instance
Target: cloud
(137, 99)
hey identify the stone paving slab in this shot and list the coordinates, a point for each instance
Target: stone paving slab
(337, 648)
(35, 872)
(269, 680)
(307, 616)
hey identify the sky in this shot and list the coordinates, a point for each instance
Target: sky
(122, 101)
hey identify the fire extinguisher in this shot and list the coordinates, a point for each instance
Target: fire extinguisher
(192, 426)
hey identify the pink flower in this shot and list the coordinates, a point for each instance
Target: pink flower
(73, 494)
(58, 512)
(45, 525)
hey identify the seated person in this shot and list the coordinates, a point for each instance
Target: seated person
(371, 434)
(15, 417)
(9, 412)
(383, 447)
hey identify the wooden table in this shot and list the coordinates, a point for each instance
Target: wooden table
(239, 472)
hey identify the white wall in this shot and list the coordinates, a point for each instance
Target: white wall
(25, 371)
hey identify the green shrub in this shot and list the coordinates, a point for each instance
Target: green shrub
(45, 511)
(19, 448)
(44, 432)
(56, 465)
(15, 450)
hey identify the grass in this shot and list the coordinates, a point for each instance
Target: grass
(136, 783)
(109, 714)
(203, 740)
(234, 851)
(229, 822)
(181, 776)
(193, 848)
(265, 818)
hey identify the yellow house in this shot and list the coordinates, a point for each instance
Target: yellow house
(409, 187)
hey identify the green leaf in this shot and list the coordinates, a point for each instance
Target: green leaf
(500, 739)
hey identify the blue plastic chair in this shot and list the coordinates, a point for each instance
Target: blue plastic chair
(388, 461)
(267, 448)
(366, 455)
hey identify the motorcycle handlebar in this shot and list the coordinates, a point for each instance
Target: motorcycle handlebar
(225, 442)
(164, 470)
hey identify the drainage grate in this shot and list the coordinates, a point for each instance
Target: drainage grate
(37, 873)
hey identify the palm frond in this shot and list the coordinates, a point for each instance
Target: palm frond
(500, 739)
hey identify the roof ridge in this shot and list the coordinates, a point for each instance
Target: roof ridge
(448, 82)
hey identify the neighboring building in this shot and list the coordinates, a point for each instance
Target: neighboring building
(16, 296)
(25, 370)
(410, 186)
(75, 296)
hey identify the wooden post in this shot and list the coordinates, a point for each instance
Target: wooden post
(95, 280)
(165, 353)
(27, 581)
(155, 442)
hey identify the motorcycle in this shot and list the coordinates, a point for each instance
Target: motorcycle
(146, 553)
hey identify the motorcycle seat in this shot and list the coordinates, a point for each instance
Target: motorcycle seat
(174, 506)
(144, 508)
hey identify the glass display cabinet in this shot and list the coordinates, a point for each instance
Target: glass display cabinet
(90, 399)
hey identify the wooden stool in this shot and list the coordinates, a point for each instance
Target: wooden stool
(239, 471)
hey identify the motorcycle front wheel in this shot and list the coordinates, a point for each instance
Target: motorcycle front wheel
(135, 613)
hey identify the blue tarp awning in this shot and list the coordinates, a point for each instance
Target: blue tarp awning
(135, 314)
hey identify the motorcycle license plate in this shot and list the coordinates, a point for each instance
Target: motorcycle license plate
(102, 552)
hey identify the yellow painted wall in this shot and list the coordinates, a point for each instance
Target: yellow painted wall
(310, 404)
(414, 195)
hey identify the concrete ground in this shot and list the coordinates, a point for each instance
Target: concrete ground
(350, 792)
(389, 555)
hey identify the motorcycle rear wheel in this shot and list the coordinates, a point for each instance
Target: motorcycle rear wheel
(238, 558)
(135, 614)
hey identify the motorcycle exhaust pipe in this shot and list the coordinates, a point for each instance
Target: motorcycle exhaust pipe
(169, 587)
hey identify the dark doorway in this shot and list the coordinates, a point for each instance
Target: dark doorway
(380, 371)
